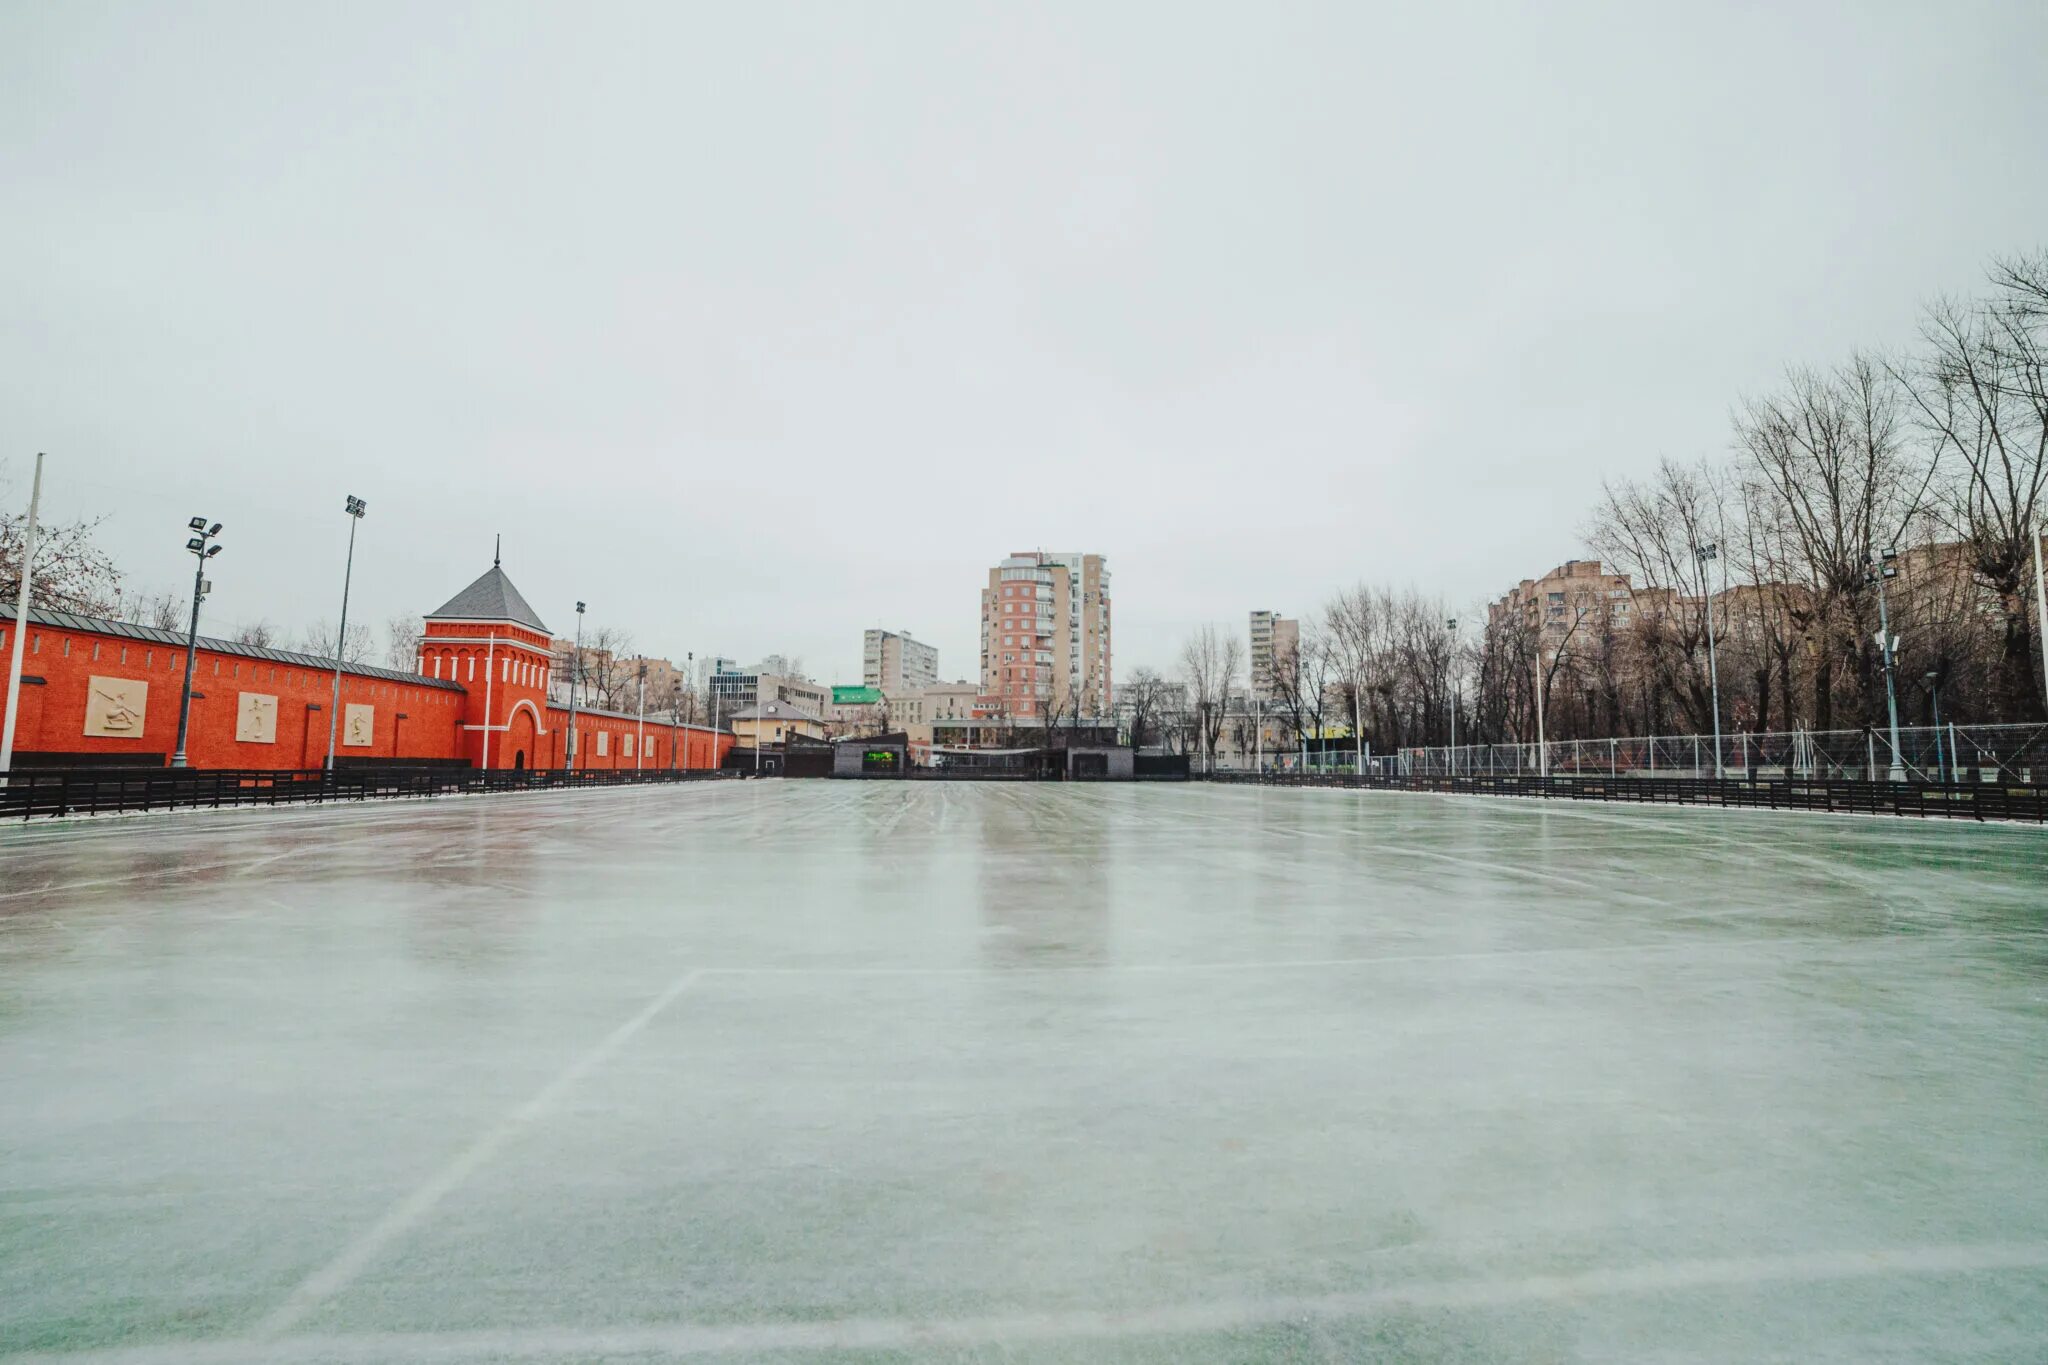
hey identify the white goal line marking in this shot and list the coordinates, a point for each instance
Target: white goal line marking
(401, 1217)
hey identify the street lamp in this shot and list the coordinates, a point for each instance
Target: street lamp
(640, 725)
(1880, 568)
(1452, 626)
(202, 547)
(1941, 760)
(1708, 553)
(355, 509)
(575, 677)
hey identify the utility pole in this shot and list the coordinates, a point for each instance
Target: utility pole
(28, 562)
(200, 545)
(355, 515)
(1707, 554)
(1887, 644)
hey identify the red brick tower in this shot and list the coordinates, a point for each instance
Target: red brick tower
(490, 641)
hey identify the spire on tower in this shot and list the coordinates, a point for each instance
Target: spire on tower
(497, 549)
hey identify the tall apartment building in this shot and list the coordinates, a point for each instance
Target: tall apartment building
(1273, 637)
(896, 663)
(1045, 631)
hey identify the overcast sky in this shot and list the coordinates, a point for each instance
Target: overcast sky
(756, 325)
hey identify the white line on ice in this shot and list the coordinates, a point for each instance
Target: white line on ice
(400, 1218)
(1174, 1319)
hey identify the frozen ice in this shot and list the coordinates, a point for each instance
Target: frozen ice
(949, 1071)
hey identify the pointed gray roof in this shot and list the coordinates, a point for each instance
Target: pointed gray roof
(490, 598)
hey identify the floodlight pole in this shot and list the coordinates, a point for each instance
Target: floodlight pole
(28, 560)
(1542, 749)
(1940, 759)
(355, 515)
(202, 550)
(1452, 626)
(640, 725)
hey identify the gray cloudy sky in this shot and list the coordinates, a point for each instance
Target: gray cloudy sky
(755, 325)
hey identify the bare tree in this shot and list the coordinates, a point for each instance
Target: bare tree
(1653, 530)
(319, 641)
(402, 641)
(1981, 393)
(259, 634)
(1209, 663)
(72, 572)
(1831, 459)
(1144, 697)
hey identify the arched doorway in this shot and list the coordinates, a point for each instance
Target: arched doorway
(520, 738)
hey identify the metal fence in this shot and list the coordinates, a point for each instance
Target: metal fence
(1945, 800)
(83, 791)
(1926, 753)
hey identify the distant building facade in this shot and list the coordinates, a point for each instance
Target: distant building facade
(774, 722)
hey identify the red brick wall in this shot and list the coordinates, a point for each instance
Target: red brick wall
(53, 714)
(434, 723)
(701, 747)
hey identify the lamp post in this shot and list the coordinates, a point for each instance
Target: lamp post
(1880, 569)
(202, 547)
(28, 561)
(355, 515)
(1708, 553)
(676, 713)
(1542, 704)
(575, 677)
(1452, 626)
(2041, 603)
(640, 725)
(1941, 759)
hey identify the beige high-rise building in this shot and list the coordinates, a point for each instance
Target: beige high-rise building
(1273, 637)
(896, 663)
(1045, 633)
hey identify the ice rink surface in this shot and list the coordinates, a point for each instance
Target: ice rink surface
(818, 1071)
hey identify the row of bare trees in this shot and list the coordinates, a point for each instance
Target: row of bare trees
(1937, 454)
(1931, 460)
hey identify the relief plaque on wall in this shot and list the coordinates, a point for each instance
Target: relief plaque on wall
(256, 719)
(358, 724)
(114, 707)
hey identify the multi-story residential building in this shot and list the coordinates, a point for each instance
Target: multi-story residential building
(895, 663)
(1045, 636)
(1574, 598)
(1273, 637)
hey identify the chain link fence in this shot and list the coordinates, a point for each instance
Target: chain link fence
(1925, 753)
